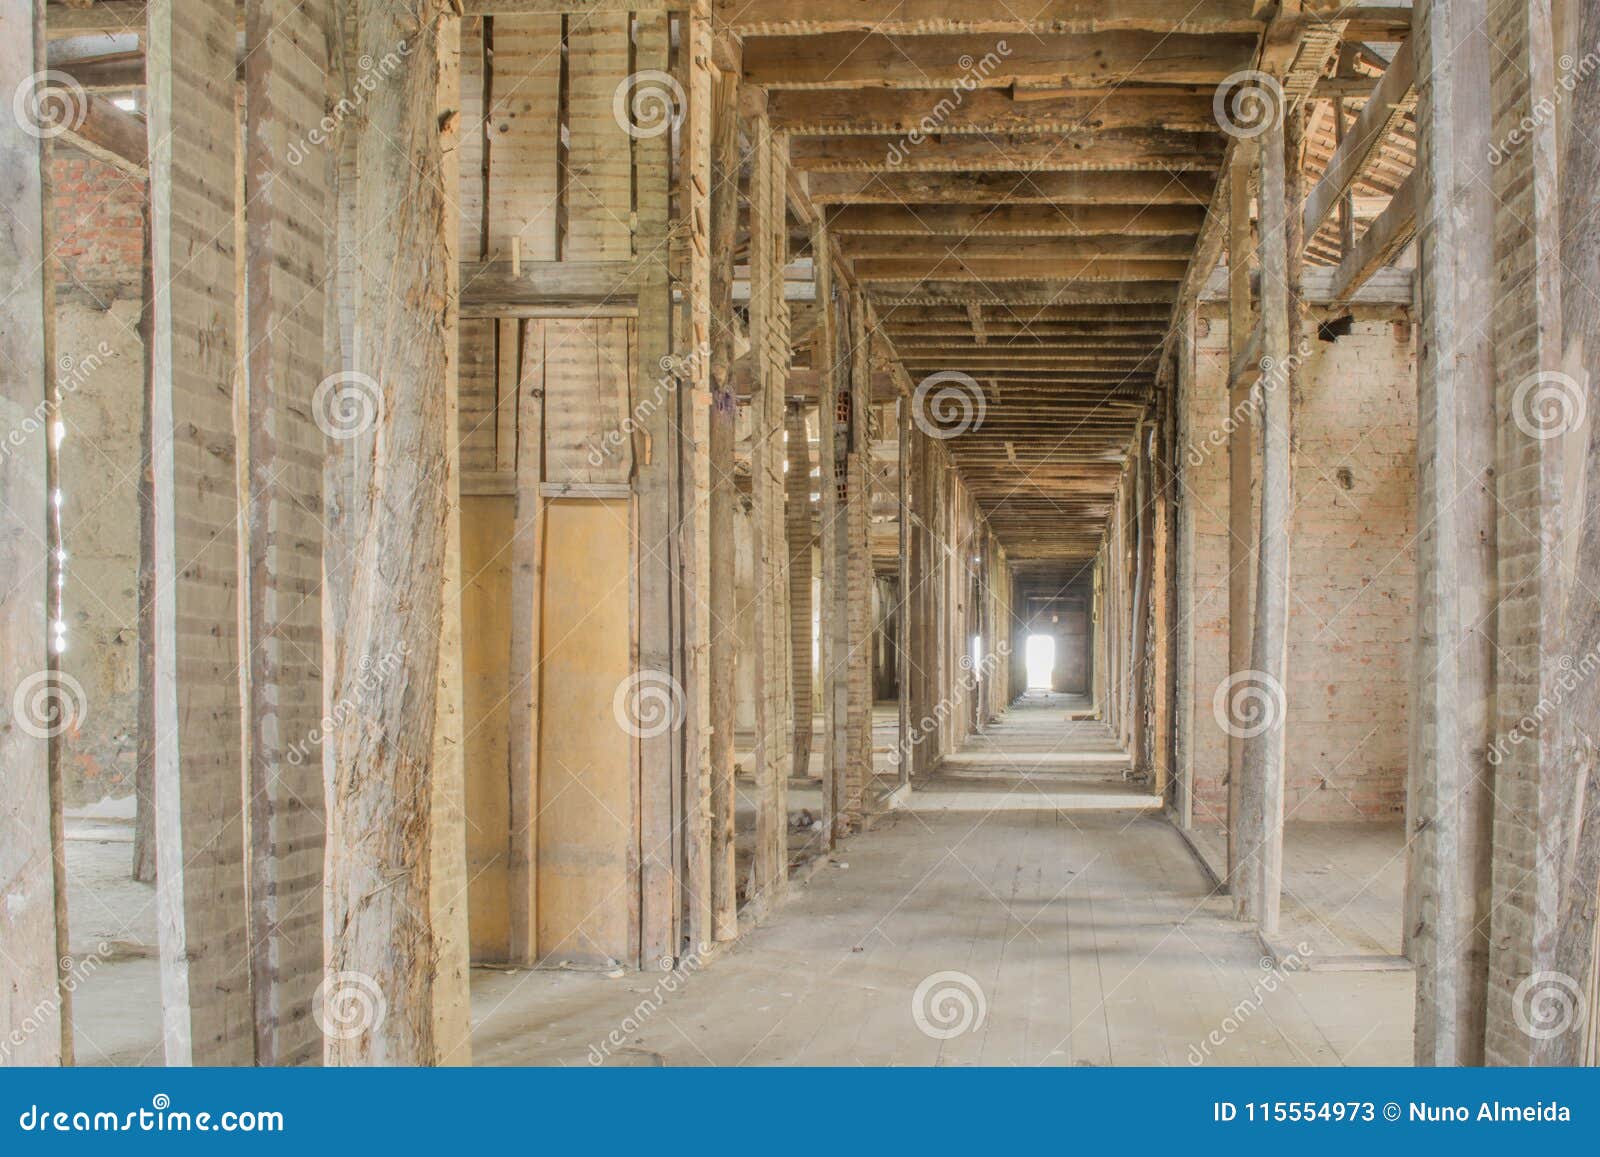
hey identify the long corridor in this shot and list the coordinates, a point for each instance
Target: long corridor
(1036, 937)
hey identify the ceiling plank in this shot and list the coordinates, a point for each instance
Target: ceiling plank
(1186, 187)
(1151, 149)
(1018, 220)
(910, 17)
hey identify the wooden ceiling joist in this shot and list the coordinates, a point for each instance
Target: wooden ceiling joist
(1012, 188)
(897, 112)
(913, 17)
(1018, 220)
(1130, 149)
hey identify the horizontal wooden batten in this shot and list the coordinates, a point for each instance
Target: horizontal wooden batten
(1176, 245)
(1154, 149)
(1019, 313)
(875, 60)
(489, 286)
(1046, 187)
(932, 111)
(1018, 220)
(1015, 269)
(1023, 293)
(912, 17)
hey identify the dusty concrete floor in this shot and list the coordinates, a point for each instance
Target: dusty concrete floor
(1088, 939)
(1343, 884)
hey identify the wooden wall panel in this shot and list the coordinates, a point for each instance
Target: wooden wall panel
(486, 539)
(474, 150)
(587, 366)
(521, 122)
(586, 833)
(599, 190)
(477, 395)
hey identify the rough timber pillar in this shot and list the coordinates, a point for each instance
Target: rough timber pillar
(200, 873)
(857, 526)
(769, 339)
(395, 943)
(724, 410)
(34, 1018)
(1241, 453)
(1257, 886)
(830, 450)
(285, 62)
(1574, 948)
(1449, 795)
(797, 518)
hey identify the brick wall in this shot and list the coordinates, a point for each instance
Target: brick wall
(98, 227)
(1351, 567)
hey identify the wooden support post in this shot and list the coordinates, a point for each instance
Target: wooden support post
(857, 525)
(527, 652)
(694, 413)
(1449, 795)
(285, 63)
(659, 608)
(903, 665)
(769, 335)
(395, 943)
(797, 517)
(1241, 452)
(1261, 793)
(1143, 561)
(831, 625)
(1578, 886)
(35, 1018)
(205, 985)
(720, 437)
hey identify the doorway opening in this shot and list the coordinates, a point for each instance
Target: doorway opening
(1041, 657)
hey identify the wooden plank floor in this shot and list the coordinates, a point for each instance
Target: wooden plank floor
(1093, 939)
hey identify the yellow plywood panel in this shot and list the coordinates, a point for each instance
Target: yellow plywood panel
(589, 422)
(586, 875)
(600, 155)
(524, 100)
(486, 529)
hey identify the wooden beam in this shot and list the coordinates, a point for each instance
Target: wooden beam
(1065, 250)
(1041, 187)
(912, 17)
(1388, 234)
(496, 286)
(98, 127)
(1018, 220)
(388, 920)
(1026, 293)
(63, 20)
(285, 61)
(1003, 269)
(849, 59)
(1392, 99)
(797, 529)
(35, 1013)
(200, 877)
(916, 114)
(1153, 149)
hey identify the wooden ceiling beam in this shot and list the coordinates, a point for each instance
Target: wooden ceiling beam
(1184, 187)
(1018, 220)
(1001, 269)
(1152, 149)
(913, 17)
(904, 111)
(1176, 245)
(1097, 59)
(1023, 293)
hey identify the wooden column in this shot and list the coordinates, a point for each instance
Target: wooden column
(284, 66)
(858, 574)
(903, 667)
(1241, 523)
(35, 1020)
(527, 647)
(720, 437)
(393, 945)
(832, 624)
(694, 417)
(1143, 560)
(797, 519)
(659, 622)
(1261, 792)
(205, 986)
(769, 337)
(1450, 801)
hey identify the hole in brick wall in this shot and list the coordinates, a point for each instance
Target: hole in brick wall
(1346, 479)
(1334, 329)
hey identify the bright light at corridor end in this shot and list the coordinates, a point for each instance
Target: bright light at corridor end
(1041, 656)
